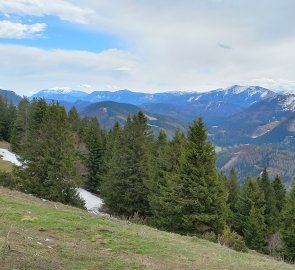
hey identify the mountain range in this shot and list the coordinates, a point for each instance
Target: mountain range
(251, 118)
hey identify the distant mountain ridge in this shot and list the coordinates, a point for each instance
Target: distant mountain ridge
(110, 112)
(10, 96)
(239, 95)
(186, 105)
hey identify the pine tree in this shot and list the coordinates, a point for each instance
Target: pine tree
(271, 213)
(50, 169)
(202, 197)
(124, 189)
(279, 192)
(288, 225)
(250, 220)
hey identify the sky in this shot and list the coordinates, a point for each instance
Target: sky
(146, 45)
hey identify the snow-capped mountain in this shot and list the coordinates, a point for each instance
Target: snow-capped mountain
(60, 94)
(242, 96)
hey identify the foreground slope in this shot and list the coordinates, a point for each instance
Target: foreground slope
(36, 234)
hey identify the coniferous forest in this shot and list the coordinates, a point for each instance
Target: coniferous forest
(171, 184)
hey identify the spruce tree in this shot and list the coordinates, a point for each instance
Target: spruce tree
(50, 155)
(7, 117)
(288, 225)
(202, 197)
(250, 220)
(74, 119)
(20, 125)
(279, 193)
(233, 190)
(163, 198)
(271, 213)
(94, 140)
(124, 189)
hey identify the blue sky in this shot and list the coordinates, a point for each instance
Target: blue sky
(146, 45)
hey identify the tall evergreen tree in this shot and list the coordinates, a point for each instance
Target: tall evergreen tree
(271, 213)
(20, 126)
(233, 190)
(95, 157)
(288, 225)
(163, 198)
(74, 119)
(50, 155)
(7, 117)
(250, 220)
(124, 189)
(279, 193)
(202, 197)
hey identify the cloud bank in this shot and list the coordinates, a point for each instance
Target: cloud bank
(170, 45)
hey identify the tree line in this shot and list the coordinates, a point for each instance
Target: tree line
(171, 184)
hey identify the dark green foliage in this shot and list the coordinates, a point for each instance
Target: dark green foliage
(271, 213)
(250, 221)
(202, 197)
(288, 226)
(166, 186)
(125, 190)
(50, 155)
(233, 186)
(7, 117)
(94, 159)
(233, 189)
(74, 119)
(279, 193)
(20, 126)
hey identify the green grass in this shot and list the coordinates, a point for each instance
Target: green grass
(46, 235)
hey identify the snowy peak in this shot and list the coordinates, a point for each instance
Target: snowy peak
(287, 102)
(248, 91)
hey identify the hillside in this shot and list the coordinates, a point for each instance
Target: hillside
(250, 160)
(109, 112)
(10, 96)
(37, 234)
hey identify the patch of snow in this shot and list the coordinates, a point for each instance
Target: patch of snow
(64, 89)
(153, 125)
(151, 118)
(93, 203)
(288, 104)
(8, 156)
(190, 99)
(149, 97)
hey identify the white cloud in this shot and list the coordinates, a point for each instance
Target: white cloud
(63, 9)
(172, 45)
(85, 86)
(19, 30)
(30, 69)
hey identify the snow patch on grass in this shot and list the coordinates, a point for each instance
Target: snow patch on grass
(8, 156)
(92, 202)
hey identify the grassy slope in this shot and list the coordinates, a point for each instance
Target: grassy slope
(56, 236)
